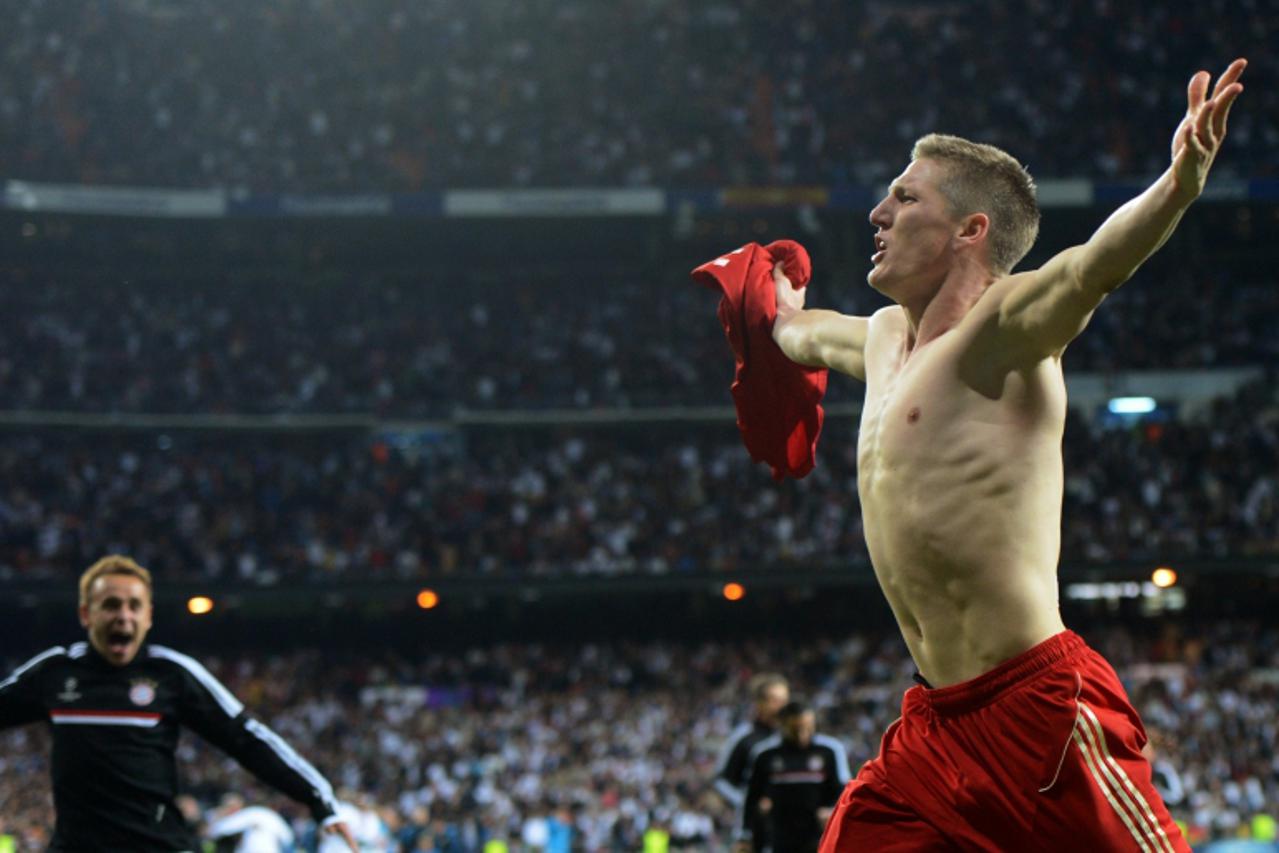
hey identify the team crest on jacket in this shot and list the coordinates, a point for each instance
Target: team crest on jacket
(142, 691)
(814, 762)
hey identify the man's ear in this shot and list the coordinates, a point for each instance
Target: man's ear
(973, 228)
(84, 615)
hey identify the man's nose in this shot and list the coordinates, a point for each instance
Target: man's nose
(879, 215)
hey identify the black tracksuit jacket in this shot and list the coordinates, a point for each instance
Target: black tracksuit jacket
(115, 732)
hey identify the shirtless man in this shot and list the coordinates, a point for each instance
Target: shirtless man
(1022, 737)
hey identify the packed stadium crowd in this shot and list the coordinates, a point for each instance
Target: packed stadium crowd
(326, 95)
(409, 345)
(454, 748)
(578, 501)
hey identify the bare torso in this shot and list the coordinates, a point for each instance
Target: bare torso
(960, 478)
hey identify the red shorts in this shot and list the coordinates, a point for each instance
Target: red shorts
(1042, 753)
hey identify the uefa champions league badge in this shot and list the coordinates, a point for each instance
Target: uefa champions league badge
(142, 692)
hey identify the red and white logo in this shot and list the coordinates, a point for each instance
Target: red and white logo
(142, 692)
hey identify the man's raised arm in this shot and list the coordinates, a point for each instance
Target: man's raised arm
(817, 337)
(1045, 309)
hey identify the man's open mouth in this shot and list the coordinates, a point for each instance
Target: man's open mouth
(119, 639)
(880, 248)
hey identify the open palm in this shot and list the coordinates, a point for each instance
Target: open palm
(1199, 136)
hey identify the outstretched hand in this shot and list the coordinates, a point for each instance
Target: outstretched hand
(1199, 136)
(340, 828)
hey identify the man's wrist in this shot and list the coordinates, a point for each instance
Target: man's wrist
(782, 320)
(1177, 193)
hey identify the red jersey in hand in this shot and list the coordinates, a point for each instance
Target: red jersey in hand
(779, 412)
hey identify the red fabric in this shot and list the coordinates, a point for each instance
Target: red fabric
(1041, 753)
(778, 402)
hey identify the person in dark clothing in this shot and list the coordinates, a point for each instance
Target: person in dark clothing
(769, 692)
(115, 705)
(796, 777)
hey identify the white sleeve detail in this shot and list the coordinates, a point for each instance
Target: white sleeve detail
(734, 795)
(225, 698)
(842, 769)
(299, 764)
(35, 661)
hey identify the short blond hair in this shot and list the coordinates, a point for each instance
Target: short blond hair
(762, 683)
(112, 564)
(984, 179)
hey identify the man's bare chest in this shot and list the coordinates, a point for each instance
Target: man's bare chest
(911, 406)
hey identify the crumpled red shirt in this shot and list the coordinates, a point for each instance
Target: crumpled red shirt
(779, 412)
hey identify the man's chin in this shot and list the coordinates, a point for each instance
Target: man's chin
(119, 654)
(877, 281)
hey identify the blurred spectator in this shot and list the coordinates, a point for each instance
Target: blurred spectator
(252, 829)
(769, 692)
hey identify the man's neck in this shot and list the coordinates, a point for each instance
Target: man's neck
(950, 303)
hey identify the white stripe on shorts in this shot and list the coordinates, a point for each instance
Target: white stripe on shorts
(1142, 810)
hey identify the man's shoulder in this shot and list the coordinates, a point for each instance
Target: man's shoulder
(884, 328)
(193, 671)
(990, 342)
(171, 660)
(889, 315)
(886, 324)
(998, 290)
(50, 657)
(828, 742)
(155, 651)
(746, 734)
(772, 743)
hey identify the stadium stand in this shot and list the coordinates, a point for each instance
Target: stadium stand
(677, 93)
(248, 333)
(574, 501)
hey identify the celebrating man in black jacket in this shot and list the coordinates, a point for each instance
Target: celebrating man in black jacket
(115, 704)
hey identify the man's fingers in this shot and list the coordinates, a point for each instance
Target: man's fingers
(1223, 111)
(1190, 144)
(780, 277)
(1196, 91)
(1224, 94)
(1229, 76)
(1203, 123)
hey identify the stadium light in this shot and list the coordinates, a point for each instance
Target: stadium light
(1163, 577)
(1131, 405)
(427, 599)
(199, 605)
(734, 591)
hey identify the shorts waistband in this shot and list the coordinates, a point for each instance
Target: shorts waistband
(985, 688)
